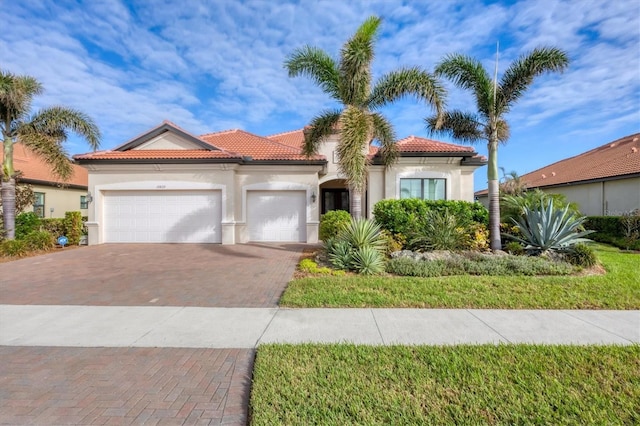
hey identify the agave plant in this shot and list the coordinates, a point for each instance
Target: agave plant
(368, 261)
(359, 246)
(544, 228)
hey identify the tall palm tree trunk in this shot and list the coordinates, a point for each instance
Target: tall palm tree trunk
(494, 198)
(356, 203)
(9, 207)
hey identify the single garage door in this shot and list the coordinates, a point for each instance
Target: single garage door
(277, 216)
(162, 217)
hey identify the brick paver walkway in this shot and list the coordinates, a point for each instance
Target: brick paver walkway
(208, 275)
(58, 386)
(53, 385)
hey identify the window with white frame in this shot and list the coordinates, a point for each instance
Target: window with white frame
(424, 188)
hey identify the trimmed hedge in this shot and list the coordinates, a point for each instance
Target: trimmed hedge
(610, 230)
(398, 216)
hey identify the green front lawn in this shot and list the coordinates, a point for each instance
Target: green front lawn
(504, 384)
(619, 288)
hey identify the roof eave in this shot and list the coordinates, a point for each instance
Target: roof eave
(164, 128)
(160, 161)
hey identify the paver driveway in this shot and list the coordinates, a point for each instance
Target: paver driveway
(208, 275)
(49, 385)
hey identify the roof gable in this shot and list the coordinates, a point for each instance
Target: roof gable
(166, 136)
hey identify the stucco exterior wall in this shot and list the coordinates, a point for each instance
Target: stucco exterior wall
(607, 198)
(61, 200)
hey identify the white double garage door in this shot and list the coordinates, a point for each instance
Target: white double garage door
(196, 216)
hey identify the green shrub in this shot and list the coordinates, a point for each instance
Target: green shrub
(358, 235)
(439, 230)
(54, 226)
(39, 240)
(367, 260)
(14, 248)
(609, 225)
(26, 223)
(478, 265)
(512, 207)
(73, 227)
(581, 255)
(340, 254)
(515, 248)
(332, 222)
(400, 216)
(406, 266)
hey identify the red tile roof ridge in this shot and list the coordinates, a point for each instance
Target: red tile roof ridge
(275, 135)
(222, 132)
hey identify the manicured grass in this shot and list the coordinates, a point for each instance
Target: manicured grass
(505, 384)
(619, 288)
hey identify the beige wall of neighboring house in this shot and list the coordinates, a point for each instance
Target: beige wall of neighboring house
(58, 201)
(604, 181)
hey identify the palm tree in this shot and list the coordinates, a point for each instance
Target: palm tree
(494, 99)
(512, 183)
(349, 82)
(43, 133)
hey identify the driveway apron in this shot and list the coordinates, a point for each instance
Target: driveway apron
(98, 385)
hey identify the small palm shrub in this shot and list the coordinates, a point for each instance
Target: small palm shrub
(14, 248)
(368, 260)
(39, 240)
(26, 223)
(332, 222)
(513, 207)
(581, 255)
(439, 230)
(545, 228)
(360, 247)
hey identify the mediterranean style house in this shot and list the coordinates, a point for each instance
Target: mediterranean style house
(229, 187)
(53, 197)
(604, 181)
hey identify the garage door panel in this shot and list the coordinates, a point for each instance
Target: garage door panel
(277, 216)
(163, 216)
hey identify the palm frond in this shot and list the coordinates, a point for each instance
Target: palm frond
(355, 135)
(54, 122)
(468, 73)
(384, 133)
(520, 74)
(16, 96)
(321, 126)
(317, 65)
(408, 82)
(48, 147)
(504, 132)
(461, 125)
(356, 56)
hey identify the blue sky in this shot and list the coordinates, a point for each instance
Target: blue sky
(215, 65)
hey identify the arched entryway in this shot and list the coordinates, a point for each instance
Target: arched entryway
(334, 195)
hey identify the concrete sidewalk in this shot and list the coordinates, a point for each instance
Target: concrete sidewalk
(192, 327)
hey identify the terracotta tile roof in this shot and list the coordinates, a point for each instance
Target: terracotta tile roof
(257, 147)
(618, 158)
(294, 138)
(35, 169)
(155, 154)
(418, 144)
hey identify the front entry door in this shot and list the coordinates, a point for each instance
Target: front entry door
(335, 199)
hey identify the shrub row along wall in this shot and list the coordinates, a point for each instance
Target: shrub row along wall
(620, 231)
(397, 216)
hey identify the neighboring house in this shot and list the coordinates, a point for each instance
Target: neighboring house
(603, 182)
(168, 185)
(53, 196)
